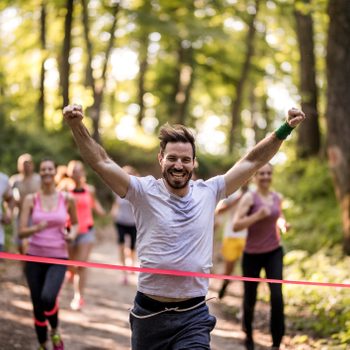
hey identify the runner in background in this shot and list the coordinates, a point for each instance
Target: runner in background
(80, 248)
(6, 207)
(260, 212)
(43, 219)
(23, 183)
(233, 242)
(62, 177)
(124, 221)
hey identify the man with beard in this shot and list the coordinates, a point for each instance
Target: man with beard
(174, 219)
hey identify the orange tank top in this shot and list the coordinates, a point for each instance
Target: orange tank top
(84, 203)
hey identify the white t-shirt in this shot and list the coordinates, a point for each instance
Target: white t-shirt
(174, 233)
(228, 220)
(125, 215)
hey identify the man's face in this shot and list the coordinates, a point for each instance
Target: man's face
(177, 164)
(28, 167)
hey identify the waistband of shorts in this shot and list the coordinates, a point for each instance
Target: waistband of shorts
(154, 305)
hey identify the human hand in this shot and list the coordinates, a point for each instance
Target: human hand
(283, 225)
(70, 234)
(69, 237)
(6, 219)
(295, 117)
(73, 114)
(41, 225)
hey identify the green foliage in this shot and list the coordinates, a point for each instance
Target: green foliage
(310, 205)
(314, 253)
(321, 311)
(16, 141)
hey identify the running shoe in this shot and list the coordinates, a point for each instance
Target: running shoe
(57, 342)
(77, 303)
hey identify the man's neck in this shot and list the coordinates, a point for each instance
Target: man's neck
(27, 176)
(181, 192)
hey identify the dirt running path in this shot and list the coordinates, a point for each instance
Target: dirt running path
(103, 322)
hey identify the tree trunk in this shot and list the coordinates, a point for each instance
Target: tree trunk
(338, 108)
(143, 58)
(41, 101)
(98, 87)
(89, 79)
(309, 131)
(236, 107)
(64, 61)
(182, 83)
(183, 95)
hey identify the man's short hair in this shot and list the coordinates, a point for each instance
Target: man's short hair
(176, 133)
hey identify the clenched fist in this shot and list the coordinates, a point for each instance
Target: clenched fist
(295, 117)
(73, 114)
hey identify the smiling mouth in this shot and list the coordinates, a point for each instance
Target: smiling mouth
(177, 175)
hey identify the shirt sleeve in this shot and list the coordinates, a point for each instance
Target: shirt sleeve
(136, 189)
(217, 184)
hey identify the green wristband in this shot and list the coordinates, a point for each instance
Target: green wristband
(283, 131)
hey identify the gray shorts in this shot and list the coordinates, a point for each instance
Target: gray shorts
(85, 238)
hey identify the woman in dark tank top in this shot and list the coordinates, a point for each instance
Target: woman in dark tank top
(260, 213)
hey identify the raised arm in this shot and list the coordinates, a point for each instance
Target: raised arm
(261, 153)
(93, 154)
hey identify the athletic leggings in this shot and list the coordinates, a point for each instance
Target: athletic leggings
(44, 281)
(252, 264)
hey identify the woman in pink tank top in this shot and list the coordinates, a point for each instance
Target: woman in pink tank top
(80, 249)
(47, 212)
(260, 213)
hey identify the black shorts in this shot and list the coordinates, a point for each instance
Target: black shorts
(126, 230)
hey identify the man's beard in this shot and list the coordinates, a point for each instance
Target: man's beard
(176, 183)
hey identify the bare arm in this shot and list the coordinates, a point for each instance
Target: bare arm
(245, 168)
(24, 229)
(72, 211)
(225, 205)
(93, 154)
(282, 223)
(241, 220)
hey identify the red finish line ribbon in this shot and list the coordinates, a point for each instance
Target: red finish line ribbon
(20, 257)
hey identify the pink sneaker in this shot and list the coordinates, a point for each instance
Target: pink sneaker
(57, 342)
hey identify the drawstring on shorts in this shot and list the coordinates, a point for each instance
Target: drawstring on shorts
(175, 309)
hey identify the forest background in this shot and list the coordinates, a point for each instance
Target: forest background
(229, 69)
